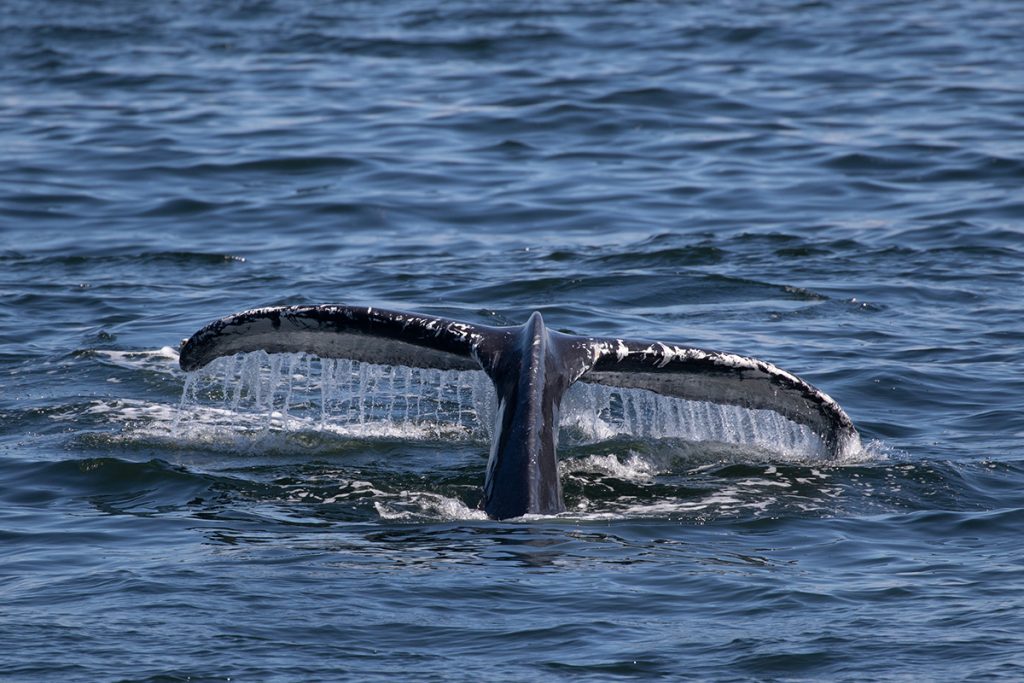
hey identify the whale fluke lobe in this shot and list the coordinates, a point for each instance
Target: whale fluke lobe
(363, 334)
(722, 378)
(531, 368)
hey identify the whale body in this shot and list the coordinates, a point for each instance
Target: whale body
(531, 367)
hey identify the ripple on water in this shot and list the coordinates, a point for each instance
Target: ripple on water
(833, 187)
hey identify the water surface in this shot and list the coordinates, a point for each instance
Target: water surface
(834, 187)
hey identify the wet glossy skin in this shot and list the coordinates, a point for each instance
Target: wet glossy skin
(522, 472)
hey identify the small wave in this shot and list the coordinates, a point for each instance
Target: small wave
(173, 258)
(421, 506)
(675, 257)
(286, 165)
(182, 206)
(873, 162)
(163, 360)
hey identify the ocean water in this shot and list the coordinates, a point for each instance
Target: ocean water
(831, 186)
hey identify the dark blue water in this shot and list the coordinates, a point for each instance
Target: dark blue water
(835, 187)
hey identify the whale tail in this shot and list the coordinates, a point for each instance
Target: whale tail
(531, 367)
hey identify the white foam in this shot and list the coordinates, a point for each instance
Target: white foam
(419, 505)
(164, 359)
(633, 468)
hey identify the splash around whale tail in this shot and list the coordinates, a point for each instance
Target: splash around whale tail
(531, 368)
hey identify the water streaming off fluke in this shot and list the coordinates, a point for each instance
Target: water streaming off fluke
(257, 393)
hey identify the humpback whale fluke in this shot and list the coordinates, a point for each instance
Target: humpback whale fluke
(531, 367)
